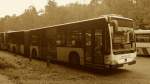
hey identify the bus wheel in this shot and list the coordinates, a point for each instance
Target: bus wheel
(34, 53)
(74, 58)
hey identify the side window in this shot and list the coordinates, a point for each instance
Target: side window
(74, 38)
(88, 38)
(60, 38)
(69, 41)
(98, 37)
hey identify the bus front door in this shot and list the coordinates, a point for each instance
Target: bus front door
(88, 47)
(97, 47)
(93, 47)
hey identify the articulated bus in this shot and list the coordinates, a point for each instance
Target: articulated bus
(15, 41)
(107, 41)
(143, 42)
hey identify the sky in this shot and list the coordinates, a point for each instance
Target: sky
(10, 7)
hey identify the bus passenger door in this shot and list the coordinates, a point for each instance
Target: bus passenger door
(93, 47)
(98, 57)
(88, 47)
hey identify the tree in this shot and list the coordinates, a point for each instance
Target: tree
(50, 13)
(2, 28)
(29, 18)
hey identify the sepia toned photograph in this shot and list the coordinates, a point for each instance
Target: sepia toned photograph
(74, 41)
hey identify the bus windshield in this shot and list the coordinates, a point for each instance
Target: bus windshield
(123, 39)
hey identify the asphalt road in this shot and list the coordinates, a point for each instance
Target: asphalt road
(129, 74)
(133, 74)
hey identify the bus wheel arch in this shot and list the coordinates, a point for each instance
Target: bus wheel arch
(74, 58)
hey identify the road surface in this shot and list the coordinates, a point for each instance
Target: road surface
(36, 72)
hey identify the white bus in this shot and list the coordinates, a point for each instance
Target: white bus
(107, 41)
(143, 42)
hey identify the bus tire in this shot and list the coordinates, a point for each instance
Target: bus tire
(74, 58)
(34, 53)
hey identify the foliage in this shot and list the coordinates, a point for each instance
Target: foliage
(54, 14)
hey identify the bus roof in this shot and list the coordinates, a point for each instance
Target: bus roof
(69, 23)
(106, 17)
(142, 31)
(2, 32)
(15, 31)
(117, 16)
